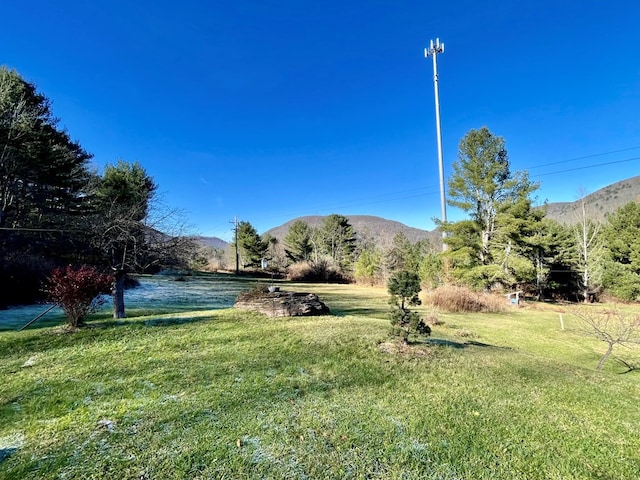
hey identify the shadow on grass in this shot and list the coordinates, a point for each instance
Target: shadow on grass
(31, 342)
(438, 342)
(343, 311)
(6, 453)
(142, 321)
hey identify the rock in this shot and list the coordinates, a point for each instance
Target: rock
(30, 362)
(282, 304)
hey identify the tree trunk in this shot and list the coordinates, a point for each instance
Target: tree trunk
(484, 250)
(118, 294)
(605, 356)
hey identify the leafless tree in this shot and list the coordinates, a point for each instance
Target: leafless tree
(590, 250)
(612, 326)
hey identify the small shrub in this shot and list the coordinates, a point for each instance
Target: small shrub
(320, 271)
(462, 300)
(404, 287)
(77, 291)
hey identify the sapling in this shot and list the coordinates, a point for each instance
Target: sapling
(404, 287)
(613, 326)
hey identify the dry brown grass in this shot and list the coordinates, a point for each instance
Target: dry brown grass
(407, 350)
(455, 299)
(311, 272)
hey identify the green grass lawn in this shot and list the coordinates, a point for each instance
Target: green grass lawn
(228, 394)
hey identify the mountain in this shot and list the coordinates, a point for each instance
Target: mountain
(213, 242)
(378, 228)
(598, 204)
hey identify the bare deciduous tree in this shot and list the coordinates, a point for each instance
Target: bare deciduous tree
(612, 326)
(590, 250)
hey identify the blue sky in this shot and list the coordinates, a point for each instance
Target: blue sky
(270, 110)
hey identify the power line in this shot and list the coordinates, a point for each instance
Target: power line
(585, 157)
(587, 166)
(21, 229)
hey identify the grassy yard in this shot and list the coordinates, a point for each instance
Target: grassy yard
(228, 394)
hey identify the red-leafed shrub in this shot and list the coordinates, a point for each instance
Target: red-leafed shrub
(78, 291)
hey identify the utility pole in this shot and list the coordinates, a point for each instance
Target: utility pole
(235, 229)
(433, 50)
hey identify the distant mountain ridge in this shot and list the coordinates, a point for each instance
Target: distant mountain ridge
(598, 204)
(379, 229)
(213, 242)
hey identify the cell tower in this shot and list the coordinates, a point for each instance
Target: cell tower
(432, 51)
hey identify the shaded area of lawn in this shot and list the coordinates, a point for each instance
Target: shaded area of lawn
(156, 294)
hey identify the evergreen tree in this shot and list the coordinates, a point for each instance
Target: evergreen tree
(622, 239)
(43, 173)
(43, 179)
(489, 247)
(550, 248)
(337, 240)
(121, 203)
(405, 255)
(251, 247)
(298, 245)
(404, 287)
(368, 266)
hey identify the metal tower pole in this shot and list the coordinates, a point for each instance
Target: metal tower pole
(433, 50)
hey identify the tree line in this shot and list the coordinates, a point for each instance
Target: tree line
(505, 243)
(57, 210)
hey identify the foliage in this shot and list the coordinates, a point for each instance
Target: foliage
(431, 269)
(121, 203)
(500, 213)
(368, 266)
(404, 287)
(251, 247)
(273, 253)
(621, 282)
(43, 173)
(612, 326)
(553, 253)
(456, 299)
(622, 244)
(404, 255)
(54, 207)
(418, 257)
(77, 291)
(122, 200)
(43, 178)
(483, 185)
(297, 244)
(336, 238)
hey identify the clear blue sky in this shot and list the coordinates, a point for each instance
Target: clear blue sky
(270, 110)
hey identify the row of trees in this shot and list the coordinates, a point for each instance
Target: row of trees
(507, 243)
(56, 209)
(504, 243)
(334, 241)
